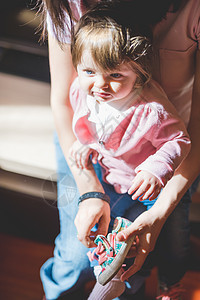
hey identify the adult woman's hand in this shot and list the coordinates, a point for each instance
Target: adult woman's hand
(91, 212)
(147, 227)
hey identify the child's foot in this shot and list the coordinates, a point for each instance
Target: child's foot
(111, 253)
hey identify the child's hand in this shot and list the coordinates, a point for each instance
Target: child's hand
(80, 154)
(146, 186)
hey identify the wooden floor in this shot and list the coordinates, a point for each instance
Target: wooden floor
(21, 259)
(20, 262)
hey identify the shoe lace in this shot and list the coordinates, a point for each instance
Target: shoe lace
(172, 293)
(105, 249)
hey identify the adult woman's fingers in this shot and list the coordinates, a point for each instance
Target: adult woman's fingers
(138, 262)
(146, 227)
(91, 212)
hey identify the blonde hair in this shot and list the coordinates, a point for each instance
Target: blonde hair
(110, 44)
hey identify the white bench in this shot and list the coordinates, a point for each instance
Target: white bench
(26, 131)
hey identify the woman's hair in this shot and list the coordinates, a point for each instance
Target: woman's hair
(113, 36)
(56, 9)
(153, 11)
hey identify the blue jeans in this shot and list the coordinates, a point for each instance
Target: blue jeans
(70, 268)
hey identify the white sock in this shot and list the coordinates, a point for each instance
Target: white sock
(111, 290)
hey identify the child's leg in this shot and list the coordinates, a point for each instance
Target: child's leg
(111, 290)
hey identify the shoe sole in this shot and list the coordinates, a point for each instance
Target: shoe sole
(112, 269)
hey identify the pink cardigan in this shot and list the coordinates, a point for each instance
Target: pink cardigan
(148, 135)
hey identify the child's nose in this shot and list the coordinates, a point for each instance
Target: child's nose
(101, 82)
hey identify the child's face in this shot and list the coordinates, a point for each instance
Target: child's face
(105, 86)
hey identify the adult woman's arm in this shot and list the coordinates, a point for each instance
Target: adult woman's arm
(149, 224)
(91, 211)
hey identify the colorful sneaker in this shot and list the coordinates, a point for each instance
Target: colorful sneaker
(111, 253)
(170, 293)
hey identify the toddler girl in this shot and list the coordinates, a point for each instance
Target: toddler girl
(121, 116)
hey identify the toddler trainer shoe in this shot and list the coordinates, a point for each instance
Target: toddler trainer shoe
(111, 253)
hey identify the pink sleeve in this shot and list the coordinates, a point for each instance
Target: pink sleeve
(172, 143)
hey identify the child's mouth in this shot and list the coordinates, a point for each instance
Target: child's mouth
(102, 94)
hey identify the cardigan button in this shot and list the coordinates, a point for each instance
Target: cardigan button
(101, 142)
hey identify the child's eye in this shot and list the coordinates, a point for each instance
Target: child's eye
(115, 75)
(89, 72)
